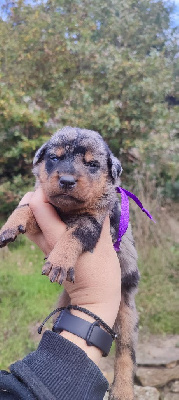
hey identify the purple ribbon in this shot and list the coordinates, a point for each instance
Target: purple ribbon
(124, 219)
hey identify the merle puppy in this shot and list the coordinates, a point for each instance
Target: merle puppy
(78, 174)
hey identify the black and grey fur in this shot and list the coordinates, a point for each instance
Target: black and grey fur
(78, 174)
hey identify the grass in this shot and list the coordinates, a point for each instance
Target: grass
(26, 298)
(158, 249)
(158, 296)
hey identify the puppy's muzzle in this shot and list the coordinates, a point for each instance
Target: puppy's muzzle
(67, 182)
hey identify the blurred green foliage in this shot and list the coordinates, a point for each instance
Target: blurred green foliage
(106, 65)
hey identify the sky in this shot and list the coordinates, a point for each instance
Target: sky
(176, 14)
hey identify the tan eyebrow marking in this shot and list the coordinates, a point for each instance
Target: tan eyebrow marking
(59, 151)
(89, 156)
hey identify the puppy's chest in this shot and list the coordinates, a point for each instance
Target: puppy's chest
(70, 220)
(74, 220)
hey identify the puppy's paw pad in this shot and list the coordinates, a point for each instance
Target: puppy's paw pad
(21, 229)
(62, 275)
(71, 275)
(7, 236)
(47, 268)
(113, 397)
(56, 274)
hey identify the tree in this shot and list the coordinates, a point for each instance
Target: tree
(106, 65)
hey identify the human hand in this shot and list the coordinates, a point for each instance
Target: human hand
(97, 284)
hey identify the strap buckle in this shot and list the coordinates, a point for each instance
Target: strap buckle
(90, 331)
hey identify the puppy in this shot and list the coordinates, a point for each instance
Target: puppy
(78, 174)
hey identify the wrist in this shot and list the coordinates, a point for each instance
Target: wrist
(91, 334)
(92, 352)
(96, 335)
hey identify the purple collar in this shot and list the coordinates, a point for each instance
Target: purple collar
(124, 219)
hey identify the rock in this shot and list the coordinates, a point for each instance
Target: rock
(171, 396)
(175, 387)
(146, 393)
(157, 377)
(157, 359)
(107, 367)
(158, 350)
(109, 375)
(171, 364)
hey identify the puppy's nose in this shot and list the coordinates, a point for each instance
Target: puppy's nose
(67, 182)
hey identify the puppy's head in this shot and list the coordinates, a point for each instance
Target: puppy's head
(75, 168)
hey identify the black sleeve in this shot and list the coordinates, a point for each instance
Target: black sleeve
(57, 370)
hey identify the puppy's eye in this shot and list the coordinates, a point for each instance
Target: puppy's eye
(53, 157)
(93, 164)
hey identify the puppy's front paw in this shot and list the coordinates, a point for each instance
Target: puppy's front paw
(9, 235)
(111, 397)
(118, 392)
(58, 273)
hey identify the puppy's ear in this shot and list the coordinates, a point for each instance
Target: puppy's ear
(39, 155)
(114, 166)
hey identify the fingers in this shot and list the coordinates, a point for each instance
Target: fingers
(26, 198)
(105, 240)
(47, 218)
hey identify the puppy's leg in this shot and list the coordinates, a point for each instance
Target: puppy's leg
(82, 237)
(63, 301)
(126, 324)
(62, 259)
(20, 221)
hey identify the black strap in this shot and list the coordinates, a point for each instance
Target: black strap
(91, 332)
